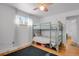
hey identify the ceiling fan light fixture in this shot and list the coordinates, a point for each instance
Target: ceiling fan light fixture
(42, 8)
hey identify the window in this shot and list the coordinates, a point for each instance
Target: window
(21, 20)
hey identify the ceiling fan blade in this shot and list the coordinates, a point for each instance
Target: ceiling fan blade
(46, 10)
(35, 8)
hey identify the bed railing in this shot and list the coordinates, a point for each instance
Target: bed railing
(57, 28)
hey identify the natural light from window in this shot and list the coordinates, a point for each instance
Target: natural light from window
(23, 20)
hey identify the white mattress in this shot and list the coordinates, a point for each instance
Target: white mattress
(45, 40)
(41, 39)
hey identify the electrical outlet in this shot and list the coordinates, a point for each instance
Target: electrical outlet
(13, 42)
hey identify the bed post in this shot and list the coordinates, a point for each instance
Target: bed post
(50, 34)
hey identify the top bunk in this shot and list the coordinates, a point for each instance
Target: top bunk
(47, 26)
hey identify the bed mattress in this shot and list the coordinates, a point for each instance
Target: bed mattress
(43, 40)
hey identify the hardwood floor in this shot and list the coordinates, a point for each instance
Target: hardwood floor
(69, 50)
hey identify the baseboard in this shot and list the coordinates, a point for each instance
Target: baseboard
(75, 44)
(16, 49)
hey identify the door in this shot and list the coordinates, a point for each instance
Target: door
(71, 29)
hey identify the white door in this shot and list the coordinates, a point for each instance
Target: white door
(71, 29)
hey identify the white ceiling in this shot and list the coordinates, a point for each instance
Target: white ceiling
(54, 8)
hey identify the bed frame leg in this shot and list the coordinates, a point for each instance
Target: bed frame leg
(34, 42)
(57, 48)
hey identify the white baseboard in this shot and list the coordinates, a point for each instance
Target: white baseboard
(16, 48)
(75, 44)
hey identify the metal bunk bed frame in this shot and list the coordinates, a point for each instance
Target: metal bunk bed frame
(59, 27)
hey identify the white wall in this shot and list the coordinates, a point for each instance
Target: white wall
(23, 34)
(62, 18)
(77, 40)
(8, 31)
(36, 19)
(7, 27)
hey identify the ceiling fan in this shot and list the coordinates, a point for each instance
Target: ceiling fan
(42, 6)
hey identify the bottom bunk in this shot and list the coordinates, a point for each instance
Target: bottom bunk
(46, 42)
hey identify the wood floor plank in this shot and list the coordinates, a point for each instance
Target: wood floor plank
(69, 50)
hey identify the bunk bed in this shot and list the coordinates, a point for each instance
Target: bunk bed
(48, 33)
